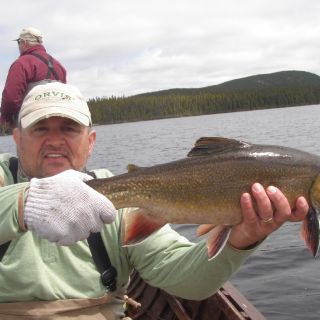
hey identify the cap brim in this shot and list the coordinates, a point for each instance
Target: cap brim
(58, 111)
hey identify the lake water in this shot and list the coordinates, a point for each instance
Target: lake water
(281, 278)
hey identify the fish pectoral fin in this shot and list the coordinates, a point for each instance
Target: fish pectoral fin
(310, 231)
(138, 225)
(204, 228)
(217, 239)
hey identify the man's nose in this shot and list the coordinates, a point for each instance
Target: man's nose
(55, 137)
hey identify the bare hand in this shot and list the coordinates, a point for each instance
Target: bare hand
(273, 209)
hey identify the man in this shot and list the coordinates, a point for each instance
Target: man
(33, 65)
(48, 270)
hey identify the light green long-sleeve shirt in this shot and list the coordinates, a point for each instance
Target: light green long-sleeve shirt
(35, 269)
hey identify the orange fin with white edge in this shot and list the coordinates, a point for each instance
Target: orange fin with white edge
(204, 228)
(310, 231)
(138, 225)
(217, 239)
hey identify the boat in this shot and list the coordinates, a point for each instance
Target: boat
(145, 302)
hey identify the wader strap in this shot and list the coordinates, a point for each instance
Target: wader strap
(13, 167)
(100, 256)
(3, 249)
(49, 63)
(102, 261)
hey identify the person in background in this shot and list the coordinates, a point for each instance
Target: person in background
(48, 270)
(33, 65)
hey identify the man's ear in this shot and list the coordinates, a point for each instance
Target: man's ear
(92, 140)
(16, 135)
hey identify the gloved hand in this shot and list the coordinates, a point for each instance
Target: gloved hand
(63, 209)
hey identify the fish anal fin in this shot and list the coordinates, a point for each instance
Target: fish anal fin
(138, 225)
(217, 239)
(212, 145)
(310, 231)
(204, 228)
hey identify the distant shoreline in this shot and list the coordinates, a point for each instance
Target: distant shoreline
(95, 124)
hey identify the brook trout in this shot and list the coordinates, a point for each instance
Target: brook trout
(205, 188)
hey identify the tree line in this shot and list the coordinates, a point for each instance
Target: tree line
(157, 106)
(182, 103)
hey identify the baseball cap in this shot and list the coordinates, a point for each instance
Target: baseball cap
(54, 99)
(30, 34)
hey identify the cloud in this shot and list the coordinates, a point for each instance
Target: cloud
(113, 47)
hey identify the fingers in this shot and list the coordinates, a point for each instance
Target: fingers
(271, 205)
(106, 208)
(248, 210)
(282, 209)
(274, 207)
(264, 212)
(302, 208)
(265, 209)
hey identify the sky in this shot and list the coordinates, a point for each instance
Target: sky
(127, 47)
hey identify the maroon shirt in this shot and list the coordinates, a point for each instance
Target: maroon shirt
(26, 69)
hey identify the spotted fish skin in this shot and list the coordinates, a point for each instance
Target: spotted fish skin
(205, 187)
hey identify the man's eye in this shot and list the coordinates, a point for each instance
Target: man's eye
(39, 129)
(70, 129)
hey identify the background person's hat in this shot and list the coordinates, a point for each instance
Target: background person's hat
(30, 34)
(54, 99)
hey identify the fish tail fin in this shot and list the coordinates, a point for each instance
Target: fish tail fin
(217, 239)
(310, 231)
(137, 226)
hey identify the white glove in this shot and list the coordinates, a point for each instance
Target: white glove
(63, 209)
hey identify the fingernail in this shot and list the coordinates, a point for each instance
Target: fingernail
(246, 197)
(272, 189)
(257, 187)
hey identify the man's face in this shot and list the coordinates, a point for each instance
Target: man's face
(22, 45)
(53, 145)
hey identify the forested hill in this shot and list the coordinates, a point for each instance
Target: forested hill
(274, 90)
(282, 79)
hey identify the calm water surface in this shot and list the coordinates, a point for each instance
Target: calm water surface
(281, 278)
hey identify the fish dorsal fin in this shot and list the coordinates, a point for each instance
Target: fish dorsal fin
(212, 145)
(132, 167)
